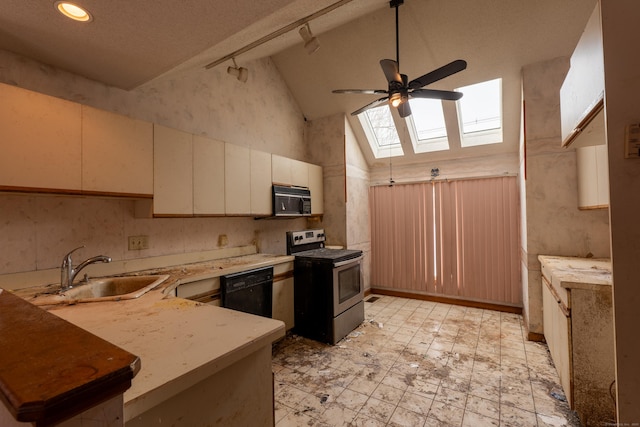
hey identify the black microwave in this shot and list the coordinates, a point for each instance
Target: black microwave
(291, 201)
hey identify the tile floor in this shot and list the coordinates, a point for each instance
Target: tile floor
(420, 363)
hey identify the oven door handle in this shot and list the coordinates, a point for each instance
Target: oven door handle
(349, 261)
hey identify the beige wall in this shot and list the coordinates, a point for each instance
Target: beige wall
(334, 146)
(358, 220)
(554, 224)
(622, 107)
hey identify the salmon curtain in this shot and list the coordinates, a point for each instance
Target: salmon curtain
(458, 239)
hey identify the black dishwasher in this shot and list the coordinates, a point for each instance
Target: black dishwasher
(250, 291)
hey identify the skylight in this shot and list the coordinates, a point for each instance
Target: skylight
(480, 113)
(381, 131)
(427, 126)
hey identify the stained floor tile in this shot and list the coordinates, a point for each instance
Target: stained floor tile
(420, 363)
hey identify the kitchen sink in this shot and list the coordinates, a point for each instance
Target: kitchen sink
(113, 288)
(103, 289)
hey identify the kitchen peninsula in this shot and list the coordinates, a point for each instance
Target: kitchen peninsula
(200, 364)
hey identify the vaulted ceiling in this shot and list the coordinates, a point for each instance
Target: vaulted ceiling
(131, 43)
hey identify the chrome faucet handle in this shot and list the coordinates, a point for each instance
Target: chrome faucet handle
(66, 269)
(67, 257)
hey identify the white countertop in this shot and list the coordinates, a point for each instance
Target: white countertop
(566, 273)
(179, 342)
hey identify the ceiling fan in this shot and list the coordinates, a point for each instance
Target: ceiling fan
(401, 89)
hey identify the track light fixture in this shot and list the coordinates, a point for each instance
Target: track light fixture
(239, 73)
(311, 44)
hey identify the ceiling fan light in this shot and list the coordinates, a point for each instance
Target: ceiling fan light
(395, 100)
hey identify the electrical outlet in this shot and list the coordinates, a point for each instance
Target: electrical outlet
(137, 243)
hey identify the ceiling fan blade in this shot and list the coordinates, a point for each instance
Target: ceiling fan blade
(373, 104)
(364, 91)
(404, 110)
(438, 74)
(391, 70)
(446, 95)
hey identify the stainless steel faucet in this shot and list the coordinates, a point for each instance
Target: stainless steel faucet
(68, 273)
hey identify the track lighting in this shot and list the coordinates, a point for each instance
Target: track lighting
(311, 44)
(239, 73)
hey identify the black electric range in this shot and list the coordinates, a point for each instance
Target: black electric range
(328, 288)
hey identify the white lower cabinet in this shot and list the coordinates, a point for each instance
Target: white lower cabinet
(557, 333)
(283, 294)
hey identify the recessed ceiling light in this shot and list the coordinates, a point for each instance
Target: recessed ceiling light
(73, 11)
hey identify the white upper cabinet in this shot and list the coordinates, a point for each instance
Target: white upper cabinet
(316, 187)
(208, 176)
(593, 177)
(280, 170)
(62, 146)
(41, 141)
(293, 172)
(299, 173)
(172, 172)
(117, 153)
(261, 203)
(237, 181)
(286, 171)
(581, 95)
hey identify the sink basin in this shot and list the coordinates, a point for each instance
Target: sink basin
(104, 289)
(113, 288)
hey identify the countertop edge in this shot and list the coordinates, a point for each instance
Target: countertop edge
(140, 404)
(114, 367)
(581, 278)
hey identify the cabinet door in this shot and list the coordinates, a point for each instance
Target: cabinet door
(316, 187)
(281, 170)
(602, 172)
(117, 153)
(41, 141)
(557, 333)
(208, 176)
(283, 302)
(583, 88)
(172, 172)
(237, 181)
(261, 203)
(593, 177)
(299, 173)
(283, 284)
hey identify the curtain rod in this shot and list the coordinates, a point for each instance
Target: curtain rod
(442, 179)
(278, 33)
